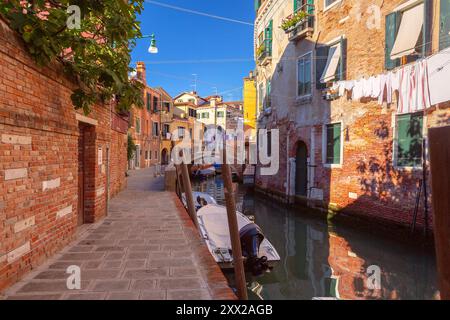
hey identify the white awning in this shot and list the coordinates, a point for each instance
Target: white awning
(409, 32)
(334, 55)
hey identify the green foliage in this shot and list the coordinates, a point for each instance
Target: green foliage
(293, 20)
(131, 148)
(261, 49)
(97, 55)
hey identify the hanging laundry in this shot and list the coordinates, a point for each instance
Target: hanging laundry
(367, 87)
(349, 84)
(439, 77)
(376, 87)
(383, 81)
(357, 92)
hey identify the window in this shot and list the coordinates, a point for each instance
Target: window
(181, 132)
(404, 37)
(138, 125)
(304, 75)
(409, 140)
(333, 144)
(199, 115)
(192, 101)
(155, 129)
(149, 99)
(166, 129)
(166, 106)
(220, 114)
(205, 115)
(269, 143)
(267, 100)
(260, 95)
(156, 155)
(155, 104)
(192, 112)
(146, 155)
(150, 155)
(330, 3)
(331, 63)
(180, 100)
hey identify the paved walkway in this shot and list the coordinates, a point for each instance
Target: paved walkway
(146, 248)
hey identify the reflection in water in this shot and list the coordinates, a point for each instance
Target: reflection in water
(323, 260)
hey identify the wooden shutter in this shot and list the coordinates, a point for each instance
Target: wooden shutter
(321, 62)
(148, 101)
(342, 71)
(444, 25)
(392, 25)
(295, 5)
(333, 143)
(268, 38)
(409, 140)
(427, 28)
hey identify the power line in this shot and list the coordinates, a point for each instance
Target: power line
(198, 12)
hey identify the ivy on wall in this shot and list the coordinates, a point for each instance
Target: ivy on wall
(96, 53)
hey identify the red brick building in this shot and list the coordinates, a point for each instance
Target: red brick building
(340, 154)
(58, 167)
(146, 125)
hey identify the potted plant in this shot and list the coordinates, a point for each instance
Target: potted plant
(292, 21)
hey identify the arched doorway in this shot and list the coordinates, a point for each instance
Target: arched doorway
(164, 157)
(301, 170)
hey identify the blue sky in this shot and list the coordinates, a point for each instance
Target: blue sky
(184, 38)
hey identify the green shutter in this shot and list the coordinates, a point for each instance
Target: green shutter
(295, 5)
(333, 143)
(444, 25)
(268, 38)
(392, 25)
(310, 7)
(342, 75)
(321, 63)
(148, 101)
(409, 140)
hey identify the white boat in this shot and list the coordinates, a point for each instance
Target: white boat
(200, 199)
(206, 172)
(259, 253)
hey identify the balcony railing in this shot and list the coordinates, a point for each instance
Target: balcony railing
(264, 52)
(299, 24)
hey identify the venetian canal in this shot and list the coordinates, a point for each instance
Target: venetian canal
(320, 259)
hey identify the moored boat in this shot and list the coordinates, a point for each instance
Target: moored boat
(260, 255)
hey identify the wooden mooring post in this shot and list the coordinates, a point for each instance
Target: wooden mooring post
(187, 188)
(238, 259)
(439, 143)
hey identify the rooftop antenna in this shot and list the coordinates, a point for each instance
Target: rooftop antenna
(215, 90)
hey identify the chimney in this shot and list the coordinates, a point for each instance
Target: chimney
(251, 74)
(140, 69)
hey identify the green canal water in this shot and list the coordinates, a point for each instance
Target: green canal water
(324, 260)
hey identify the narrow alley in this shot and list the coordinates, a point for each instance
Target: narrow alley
(146, 248)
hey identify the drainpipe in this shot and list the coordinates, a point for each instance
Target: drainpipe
(288, 171)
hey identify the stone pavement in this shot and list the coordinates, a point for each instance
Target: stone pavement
(146, 248)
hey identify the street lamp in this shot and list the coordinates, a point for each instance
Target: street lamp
(153, 49)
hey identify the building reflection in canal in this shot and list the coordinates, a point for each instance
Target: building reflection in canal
(319, 259)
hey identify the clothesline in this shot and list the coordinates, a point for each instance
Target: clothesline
(419, 85)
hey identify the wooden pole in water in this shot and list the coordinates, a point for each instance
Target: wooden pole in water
(238, 260)
(188, 194)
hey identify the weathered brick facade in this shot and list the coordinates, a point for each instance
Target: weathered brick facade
(146, 138)
(46, 150)
(367, 182)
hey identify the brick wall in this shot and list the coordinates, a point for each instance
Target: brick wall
(367, 183)
(39, 159)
